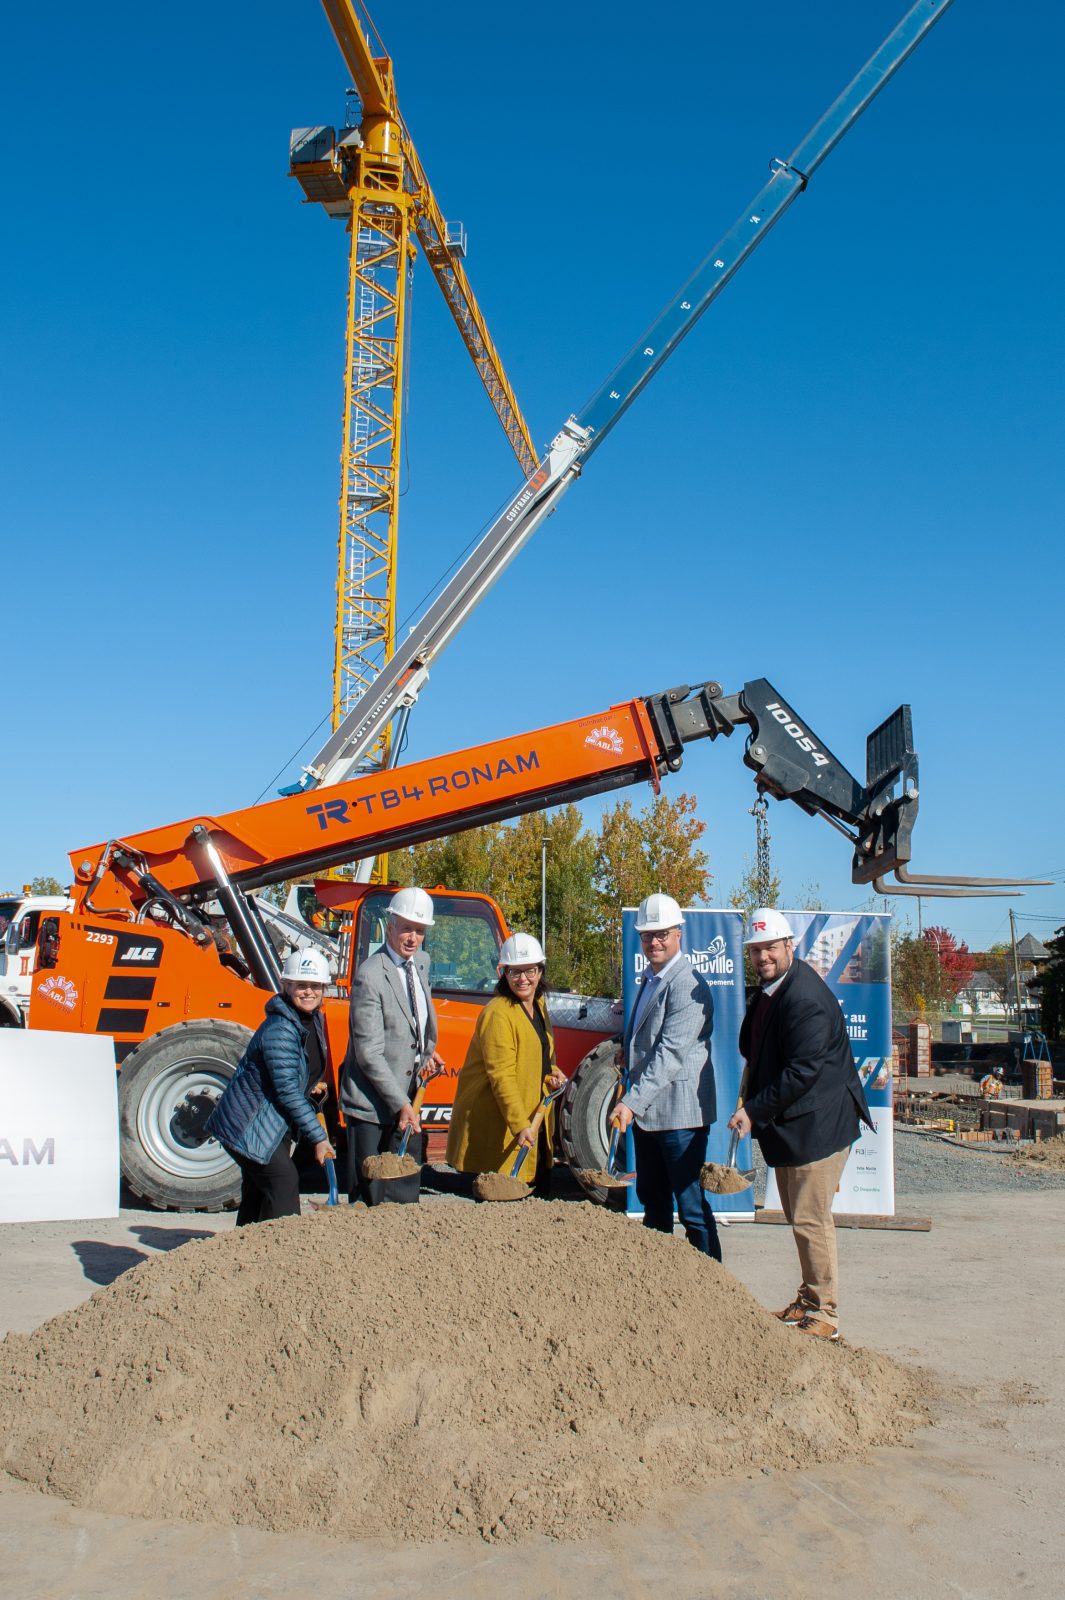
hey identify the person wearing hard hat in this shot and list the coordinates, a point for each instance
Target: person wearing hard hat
(804, 1103)
(266, 1103)
(391, 1038)
(509, 1066)
(670, 1100)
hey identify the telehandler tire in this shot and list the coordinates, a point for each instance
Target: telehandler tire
(167, 1088)
(583, 1136)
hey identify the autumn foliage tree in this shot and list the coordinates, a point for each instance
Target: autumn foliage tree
(955, 960)
(928, 972)
(637, 854)
(591, 876)
(916, 978)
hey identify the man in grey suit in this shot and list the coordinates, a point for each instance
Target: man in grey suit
(391, 1038)
(670, 1101)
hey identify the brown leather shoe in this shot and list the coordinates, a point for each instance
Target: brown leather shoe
(819, 1329)
(792, 1314)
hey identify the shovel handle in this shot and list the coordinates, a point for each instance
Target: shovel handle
(534, 1126)
(416, 1106)
(612, 1152)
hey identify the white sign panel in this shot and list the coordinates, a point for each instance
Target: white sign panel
(867, 1186)
(58, 1126)
(851, 951)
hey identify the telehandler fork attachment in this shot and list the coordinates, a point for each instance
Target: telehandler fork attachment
(792, 763)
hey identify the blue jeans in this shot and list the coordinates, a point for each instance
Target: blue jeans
(667, 1170)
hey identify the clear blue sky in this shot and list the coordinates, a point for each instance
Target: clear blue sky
(849, 480)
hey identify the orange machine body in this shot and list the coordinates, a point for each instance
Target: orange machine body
(114, 966)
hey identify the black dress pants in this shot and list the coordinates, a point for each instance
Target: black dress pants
(268, 1189)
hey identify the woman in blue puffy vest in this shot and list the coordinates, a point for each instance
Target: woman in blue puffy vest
(265, 1103)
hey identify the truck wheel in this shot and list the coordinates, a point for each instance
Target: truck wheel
(582, 1120)
(167, 1088)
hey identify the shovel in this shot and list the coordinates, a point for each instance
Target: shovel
(508, 1185)
(330, 1175)
(727, 1179)
(384, 1182)
(607, 1177)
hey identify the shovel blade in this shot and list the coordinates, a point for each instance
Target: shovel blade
(718, 1179)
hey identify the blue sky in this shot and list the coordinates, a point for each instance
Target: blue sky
(849, 480)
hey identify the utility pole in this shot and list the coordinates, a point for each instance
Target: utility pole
(1016, 971)
(543, 894)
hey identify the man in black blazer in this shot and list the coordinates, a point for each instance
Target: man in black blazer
(804, 1103)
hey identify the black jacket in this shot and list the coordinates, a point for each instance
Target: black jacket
(804, 1097)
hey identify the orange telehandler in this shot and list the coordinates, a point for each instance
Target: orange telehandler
(141, 956)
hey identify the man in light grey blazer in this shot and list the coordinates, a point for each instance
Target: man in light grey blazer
(670, 1101)
(391, 1037)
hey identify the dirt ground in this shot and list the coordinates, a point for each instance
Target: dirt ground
(970, 1508)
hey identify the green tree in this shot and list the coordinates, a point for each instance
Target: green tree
(1052, 987)
(916, 978)
(46, 885)
(745, 896)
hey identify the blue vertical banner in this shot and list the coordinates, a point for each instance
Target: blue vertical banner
(713, 942)
(851, 951)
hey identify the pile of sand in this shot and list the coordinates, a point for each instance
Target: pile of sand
(428, 1372)
(1049, 1153)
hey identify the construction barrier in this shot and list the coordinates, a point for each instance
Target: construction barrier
(58, 1126)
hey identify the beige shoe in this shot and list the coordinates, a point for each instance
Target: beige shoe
(793, 1313)
(819, 1329)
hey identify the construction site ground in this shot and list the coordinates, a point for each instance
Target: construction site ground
(970, 1508)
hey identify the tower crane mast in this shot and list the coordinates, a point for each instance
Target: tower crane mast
(372, 177)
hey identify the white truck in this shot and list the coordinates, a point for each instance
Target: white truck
(20, 923)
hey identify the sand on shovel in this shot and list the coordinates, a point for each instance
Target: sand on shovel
(486, 1372)
(718, 1179)
(598, 1178)
(499, 1186)
(389, 1165)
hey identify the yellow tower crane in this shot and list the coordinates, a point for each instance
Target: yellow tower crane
(371, 176)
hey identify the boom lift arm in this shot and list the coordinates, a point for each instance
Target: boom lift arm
(397, 686)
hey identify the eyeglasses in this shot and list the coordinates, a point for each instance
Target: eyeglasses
(516, 974)
(658, 938)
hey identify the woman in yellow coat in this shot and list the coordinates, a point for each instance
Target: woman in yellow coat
(509, 1066)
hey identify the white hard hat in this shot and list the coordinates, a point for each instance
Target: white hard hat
(521, 950)
(414, 905)
(657, 913)
(308, 966)
(766, 926)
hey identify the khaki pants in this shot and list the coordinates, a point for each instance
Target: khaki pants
(806, 1200)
